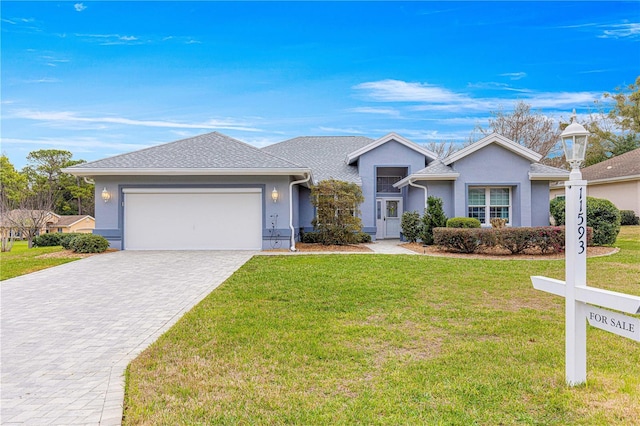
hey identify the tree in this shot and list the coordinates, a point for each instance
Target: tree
(434, 217)
(616, 131)
(337, 206)
(533, 130)
(32, 215)
(441, 149)
(13, 186)
(70, 194)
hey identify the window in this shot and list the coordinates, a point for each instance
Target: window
(385, 184)
(486, 203)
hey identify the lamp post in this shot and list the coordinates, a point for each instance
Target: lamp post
(574, 144)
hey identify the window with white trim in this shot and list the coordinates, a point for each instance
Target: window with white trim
(486, 203)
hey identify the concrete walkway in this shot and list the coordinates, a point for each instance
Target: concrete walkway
(68, 333)
(389, 247)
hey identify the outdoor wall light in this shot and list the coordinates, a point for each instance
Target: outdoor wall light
(574, 142)
(274, 195)
(106, 195)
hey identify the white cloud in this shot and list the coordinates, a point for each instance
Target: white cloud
(336, 130)
(426, 97)
(372, 110)
(402, 91)
(627, 29)
(514, 75)
(112, 39)
(79, 7)
(58, 117)
(86, 144)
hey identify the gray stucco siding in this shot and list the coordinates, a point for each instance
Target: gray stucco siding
(494, 165)
(540, 203)
(438, 189)
(109, 216)
(390, 154)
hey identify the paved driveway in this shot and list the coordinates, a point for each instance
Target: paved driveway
(67, 333)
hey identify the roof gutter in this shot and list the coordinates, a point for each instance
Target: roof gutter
(426, 192)
(296, 182)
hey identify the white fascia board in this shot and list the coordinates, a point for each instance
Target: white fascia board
(387, 138)
(613, 180)
(500, 140)
(543, 176)
(415, 177)
(182, 172)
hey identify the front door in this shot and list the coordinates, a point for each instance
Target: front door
(388, 214)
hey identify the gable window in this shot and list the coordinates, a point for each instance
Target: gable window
(385, 184)
(486, 203)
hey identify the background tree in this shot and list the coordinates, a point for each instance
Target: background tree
(442, 149)
(13, 186)
(533, 130)
(337, 205)
(616, 131)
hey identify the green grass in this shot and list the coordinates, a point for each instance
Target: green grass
(374, 339)
(23, 260)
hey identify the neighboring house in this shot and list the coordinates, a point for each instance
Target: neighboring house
(616, 179)
(82, 224)
(214, 192)
(13, 220)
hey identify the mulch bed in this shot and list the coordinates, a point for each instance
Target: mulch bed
(71, 254)
(305, 247)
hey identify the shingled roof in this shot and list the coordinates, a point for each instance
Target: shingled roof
(620, 167)
(206, 153)
(324, 155)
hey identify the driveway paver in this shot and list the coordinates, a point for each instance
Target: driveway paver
(67, 333)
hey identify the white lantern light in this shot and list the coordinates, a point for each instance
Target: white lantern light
(574, 142)
(106, 195)
(274, 195)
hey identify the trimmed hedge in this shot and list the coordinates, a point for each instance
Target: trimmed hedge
(89, 243)
(628, 217)
(463, 222)
(47, 240)
(316, 237)
(469, 240)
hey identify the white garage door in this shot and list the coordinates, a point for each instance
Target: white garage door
(192, 219)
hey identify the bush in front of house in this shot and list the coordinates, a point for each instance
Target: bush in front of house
(47, 240)
(434, 217)
(464, 240)
(411, 226)
(463, 222)
(363, 237)
(604, 217)
(337, 211)
(89, 243)
(628, 217)
(556, 209)
(66, 239)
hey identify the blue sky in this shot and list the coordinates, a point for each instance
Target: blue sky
(102, 78)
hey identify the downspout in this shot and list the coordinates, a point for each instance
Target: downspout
(293, 236)
(425, 192)
(89, 181)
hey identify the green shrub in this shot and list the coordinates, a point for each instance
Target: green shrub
(433, 218)
(465, 240)
(604, 217)
(47, 240)
(463, 222)
(89, 243)
(363, 237)
(556, 209)
(66, 239)
(411, 227)
(628, 217)
(309, 238)
(337, 208)
(516, 240)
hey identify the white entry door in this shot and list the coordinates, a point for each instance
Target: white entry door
(388, 214)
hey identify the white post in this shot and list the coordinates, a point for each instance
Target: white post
(575, 275)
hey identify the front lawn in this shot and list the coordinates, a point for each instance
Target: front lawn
(23, 260)
(384, 339)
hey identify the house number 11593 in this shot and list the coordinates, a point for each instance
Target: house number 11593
(582, 229)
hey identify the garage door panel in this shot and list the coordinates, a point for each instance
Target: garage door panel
(193, 221)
